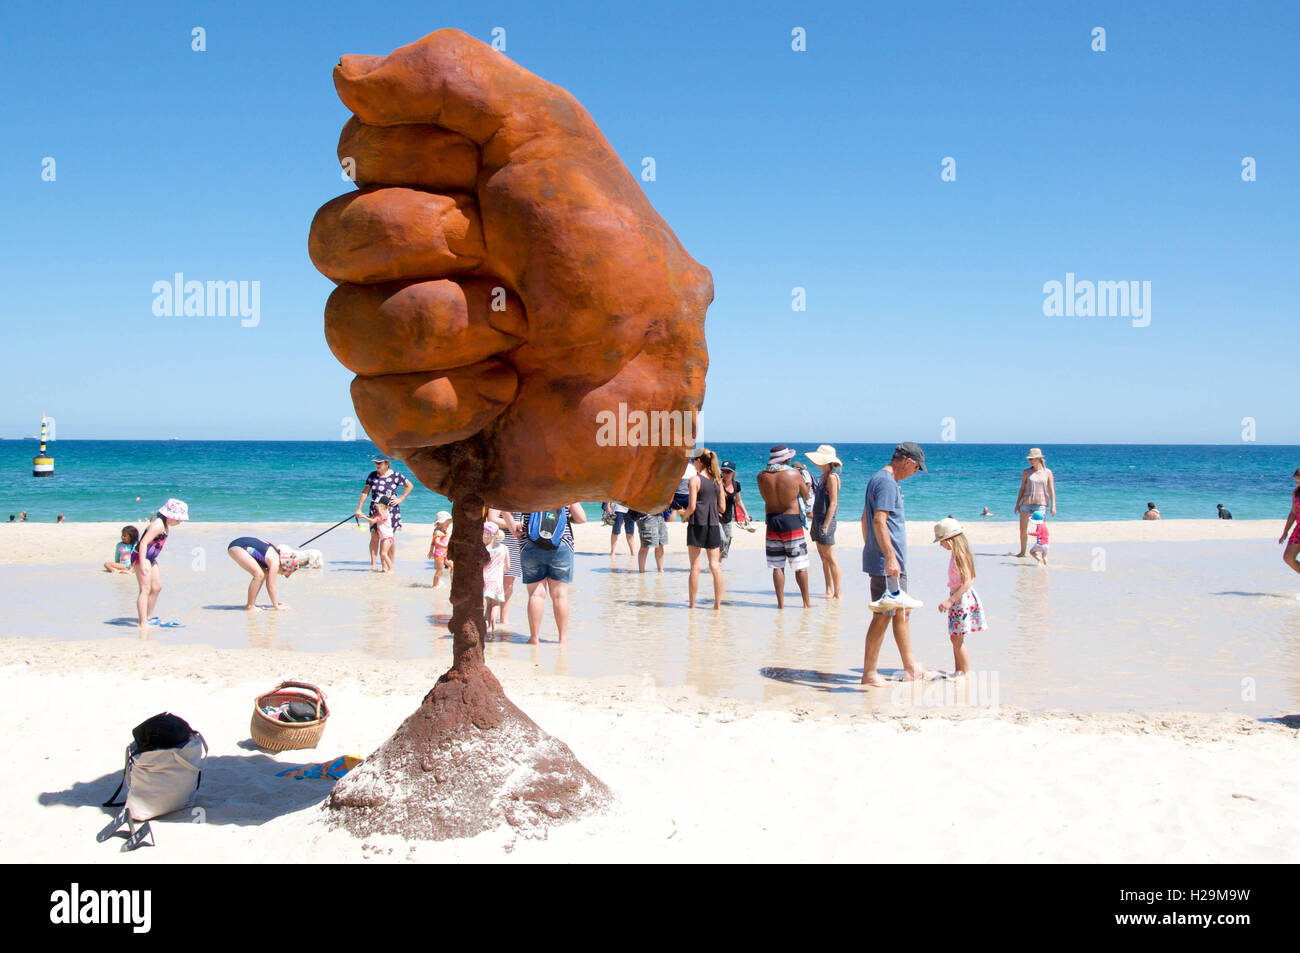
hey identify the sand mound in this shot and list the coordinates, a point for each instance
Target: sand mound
(468, 760)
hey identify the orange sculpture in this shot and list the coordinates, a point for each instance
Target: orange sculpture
(505, 289)
(503, 280)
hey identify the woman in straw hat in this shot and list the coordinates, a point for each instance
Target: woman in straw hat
(826, 503)
(1037, 491)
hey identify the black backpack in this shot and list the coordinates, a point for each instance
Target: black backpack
(163, 730)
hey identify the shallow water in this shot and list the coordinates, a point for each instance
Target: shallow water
(1205, 626)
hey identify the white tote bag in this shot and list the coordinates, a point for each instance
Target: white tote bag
(159, 782)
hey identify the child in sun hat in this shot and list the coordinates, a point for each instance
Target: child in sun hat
(1038, 530)
(494, 573)
(144, 560)
(965, 612)
(439, 544)
(382, 521)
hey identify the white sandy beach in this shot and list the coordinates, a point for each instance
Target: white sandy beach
(695, 779)
(731, 739)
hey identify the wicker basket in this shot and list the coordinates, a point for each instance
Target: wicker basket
(271, 734)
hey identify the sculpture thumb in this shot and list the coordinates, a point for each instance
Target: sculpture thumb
(447, 78)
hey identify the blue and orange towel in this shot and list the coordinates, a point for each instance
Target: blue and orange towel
(325, 770)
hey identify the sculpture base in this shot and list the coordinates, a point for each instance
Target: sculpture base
(467, 761)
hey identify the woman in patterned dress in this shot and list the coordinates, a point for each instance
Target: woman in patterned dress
(384, 481)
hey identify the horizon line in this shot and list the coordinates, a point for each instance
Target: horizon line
(852, 443)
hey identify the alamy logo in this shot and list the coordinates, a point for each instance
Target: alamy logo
(1101, 299)
(215, 299)
(640, 428)
(75, 906)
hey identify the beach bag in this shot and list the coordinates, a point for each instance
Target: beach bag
(160, 776)
(546, 527)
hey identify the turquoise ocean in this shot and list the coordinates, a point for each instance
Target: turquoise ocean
(313, 481)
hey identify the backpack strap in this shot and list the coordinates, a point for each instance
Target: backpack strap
(112, 798)
(203, 741)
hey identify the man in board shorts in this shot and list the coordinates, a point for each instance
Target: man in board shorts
(884, 559)
(782, 489)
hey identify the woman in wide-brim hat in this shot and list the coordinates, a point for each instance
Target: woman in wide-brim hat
(826, 504)
(1037, 491)
(144, 560)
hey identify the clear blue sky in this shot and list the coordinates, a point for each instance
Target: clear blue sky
(777, 169)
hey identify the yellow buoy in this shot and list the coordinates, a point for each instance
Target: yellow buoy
(42, 463)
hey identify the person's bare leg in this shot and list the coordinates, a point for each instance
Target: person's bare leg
(778, 581)
(505, 606)
(641, 556)
(142, 602)
(835, 572)
(155, 587)
(960, 657)
(1291, 556)
(250, 566)
(826, 567)
(693, 586)
(536, 600)
(659, 558)
(613, 544)
(715, 567)
(374, 546)
(1024, 533)
(560, 606)
(801, 577)
(628, 537)
(903, 639)
(871, 652)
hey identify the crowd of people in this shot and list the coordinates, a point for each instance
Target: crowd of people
(537, 548)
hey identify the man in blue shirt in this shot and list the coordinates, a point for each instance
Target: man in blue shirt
(884, 559)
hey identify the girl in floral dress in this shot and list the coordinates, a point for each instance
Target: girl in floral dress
(965, 612)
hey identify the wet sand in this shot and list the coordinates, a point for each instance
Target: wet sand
(1167, 616)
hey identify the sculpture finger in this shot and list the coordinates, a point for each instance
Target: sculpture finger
(452, 81)
(393, 234)
(401, 412)
(420, 156)
(405, 327)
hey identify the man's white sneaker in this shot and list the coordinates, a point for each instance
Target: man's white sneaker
(894, 600)
(903, 601)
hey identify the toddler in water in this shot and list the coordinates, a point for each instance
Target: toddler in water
(438, 545)
(494, 573)
(383, 522)
(965, 613)
(1039, 532)
(121, 564)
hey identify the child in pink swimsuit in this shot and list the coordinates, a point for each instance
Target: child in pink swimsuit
(1040, 533)
(439, 545)
(382, 521)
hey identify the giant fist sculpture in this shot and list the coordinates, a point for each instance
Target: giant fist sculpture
(503, 285)
(503, 281)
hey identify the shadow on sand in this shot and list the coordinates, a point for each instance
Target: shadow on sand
(225, 793)
(831, 682)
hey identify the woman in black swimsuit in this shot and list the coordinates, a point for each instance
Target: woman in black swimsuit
(265, 564)
(703, 529)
